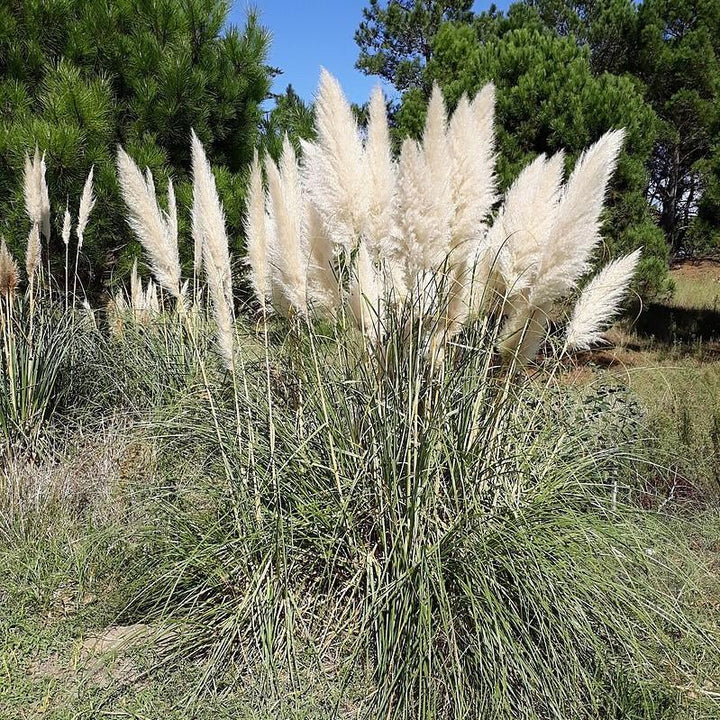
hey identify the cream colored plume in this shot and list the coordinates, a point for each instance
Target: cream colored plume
(423, 221)
(137, 295)
(436, 152)
(32, 189)
(522, 228)
(151, 298)
(364, 297)
(576, 230)
(209, 218)
(288, 248)
(197, 236)
(483, 106)
(9, 272)
(472, 152)
(380, 172)
(87, 203)
(171, 220)
(425, 199)
(67, 226)
(524, 332)
(411, 211)
(119, 305)
(222, 310)
(44, 197)
(437, 185)
(256, 234)
(32, 254)
(147, 222)
(334, 172)
(599, 302)
(322, 282)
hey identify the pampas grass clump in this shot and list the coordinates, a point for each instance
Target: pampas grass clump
(421, 228)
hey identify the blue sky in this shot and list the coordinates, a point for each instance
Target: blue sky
(309, 34)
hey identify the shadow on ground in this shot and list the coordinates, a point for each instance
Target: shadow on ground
(678, 325)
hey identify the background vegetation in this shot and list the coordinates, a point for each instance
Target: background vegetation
(320, 532)
(565, 70)
(78, 78)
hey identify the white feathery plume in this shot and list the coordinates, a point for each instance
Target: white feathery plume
(425, 202)
(44, 197)
(150, 182)
(87, 203)
(152, 304)
(483, 107)
(137, 296)
(197, 236)
(599, 302)
(119, 302)
(288, 251)
(256, 234)
(67, 226)
(411, 213)
(31, 189)
(222, 310)
(334, 172)
(575, 232)
(66, 231)
(9, 273)
(171, 219)
(323, 288)
(435, 141)
(32, 253)
(524, 332)
(380, 173)
(147, 222)
(364, 296)
(437, 185)
(523, 225)
(423, 224)
(473, 180)
(209, 218)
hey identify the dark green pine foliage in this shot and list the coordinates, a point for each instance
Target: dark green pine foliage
(679, 60)
(673, 48)
(291, 115)
(548, 99)
(79, 77)
(396, 37)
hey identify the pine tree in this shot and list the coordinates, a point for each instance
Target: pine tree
(679, 61)
(290, 115)
(396, 38)
(79, 77)
(672, 47)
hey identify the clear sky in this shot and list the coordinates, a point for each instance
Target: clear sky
(314, 33)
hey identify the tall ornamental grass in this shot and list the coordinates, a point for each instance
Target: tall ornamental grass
(454, 543)
(375, 478)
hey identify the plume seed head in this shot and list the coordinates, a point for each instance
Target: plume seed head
(147, 222)
(33, 252)
(87, 203)
(600, 301)
(32, 192)
(256, 233)
(67, 225)
(9, 272)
